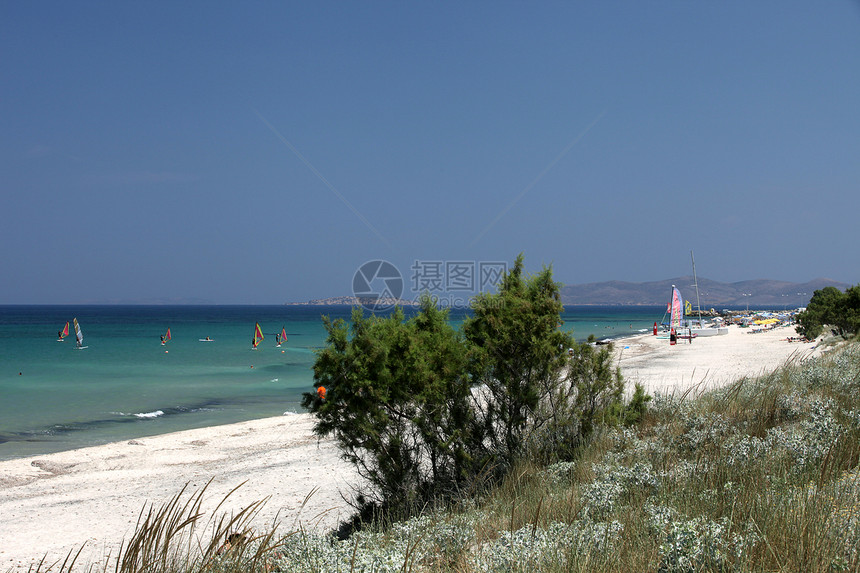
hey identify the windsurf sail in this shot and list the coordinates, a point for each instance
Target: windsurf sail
(166, 337)
(282, 337)
(64, 332)
(258, 335)
(79, 336)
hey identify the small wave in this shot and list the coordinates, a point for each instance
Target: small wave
(155, 414)
(273, 380)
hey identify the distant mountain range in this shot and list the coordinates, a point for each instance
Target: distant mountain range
(712, 294)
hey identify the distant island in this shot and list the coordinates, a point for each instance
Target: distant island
(353, 301)
(712, 294)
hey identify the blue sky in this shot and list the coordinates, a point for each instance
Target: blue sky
(260, 153)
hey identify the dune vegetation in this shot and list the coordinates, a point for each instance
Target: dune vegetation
(758, 476)
(565, 474)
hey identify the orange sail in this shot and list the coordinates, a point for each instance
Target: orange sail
(258, 335)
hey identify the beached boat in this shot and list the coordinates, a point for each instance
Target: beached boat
(707, 329)
(676, 328)
(687, 328)
(679, 309)
(258, 336)
(63, 333)
(697, 326)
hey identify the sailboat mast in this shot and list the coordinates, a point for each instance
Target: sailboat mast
(696, 282)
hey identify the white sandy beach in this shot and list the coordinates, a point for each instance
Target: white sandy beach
(51, 504)
(707, 362)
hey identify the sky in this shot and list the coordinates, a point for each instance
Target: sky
(263, 152)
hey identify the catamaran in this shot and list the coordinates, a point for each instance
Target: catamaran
(63, 333)
(79, 336)
(698, 327)
(675, 310)
(678, 308)
(258, 336)
(165, 337)
(282, 337)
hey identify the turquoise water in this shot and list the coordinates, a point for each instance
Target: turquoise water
(125, 384)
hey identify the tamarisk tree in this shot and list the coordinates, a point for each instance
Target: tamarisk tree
(518, 357)
(396, 403)
(422, 410)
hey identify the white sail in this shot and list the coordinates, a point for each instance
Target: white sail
(79, 337)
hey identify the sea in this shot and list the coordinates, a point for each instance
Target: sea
(125, 384)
